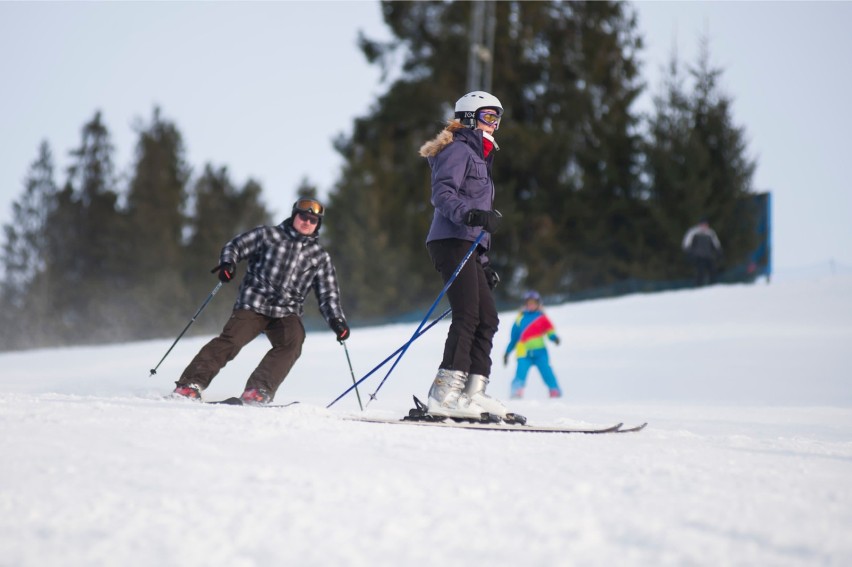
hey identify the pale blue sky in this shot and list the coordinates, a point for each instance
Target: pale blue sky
(264, 88)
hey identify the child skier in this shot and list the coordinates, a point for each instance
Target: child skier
(528, 334)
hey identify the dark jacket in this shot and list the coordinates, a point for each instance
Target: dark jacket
(701, 241)
(283, 265)
(461, 181)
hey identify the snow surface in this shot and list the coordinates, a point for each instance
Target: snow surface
(747, 459)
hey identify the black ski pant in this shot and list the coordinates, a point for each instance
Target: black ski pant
(705, 270)
(286, 334)
(474, 322)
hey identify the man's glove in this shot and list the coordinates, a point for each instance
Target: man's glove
(556, 341)
(226, 271)
(491, 276)
(489, 220)
(506, 359)
(340, 328)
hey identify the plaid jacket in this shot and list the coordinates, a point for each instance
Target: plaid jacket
(283, 266)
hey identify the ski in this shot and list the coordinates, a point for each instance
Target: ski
(485, 426)
(633, 429)
(234, 401)
(487, 422)
(419, 415)
(420, 412)
(228, 402)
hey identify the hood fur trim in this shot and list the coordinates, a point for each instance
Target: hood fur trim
(434, 146)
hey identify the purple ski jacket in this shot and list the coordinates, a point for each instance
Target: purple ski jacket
(461, 181)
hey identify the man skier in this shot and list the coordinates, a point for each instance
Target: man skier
(703, 248)
(284, 263)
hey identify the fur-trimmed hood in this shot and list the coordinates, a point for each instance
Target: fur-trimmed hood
(434, 146)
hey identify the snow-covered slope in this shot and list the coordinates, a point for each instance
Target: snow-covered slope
(747, 459)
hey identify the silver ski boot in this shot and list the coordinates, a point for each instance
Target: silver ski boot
(446, 397)
(475, 390)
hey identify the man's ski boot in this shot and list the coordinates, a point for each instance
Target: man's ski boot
(188, 391)
(475, 390)
(446, 398)
(256, 397)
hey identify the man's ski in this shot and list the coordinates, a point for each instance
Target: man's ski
(238, 402)
(228, 402)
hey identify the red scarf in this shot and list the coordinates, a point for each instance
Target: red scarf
(487, 146)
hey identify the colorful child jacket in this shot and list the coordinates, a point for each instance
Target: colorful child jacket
(529, 332)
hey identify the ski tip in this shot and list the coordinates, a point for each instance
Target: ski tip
(636, 428)
(228, 402)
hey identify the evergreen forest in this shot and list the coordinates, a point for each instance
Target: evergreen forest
(595, 195)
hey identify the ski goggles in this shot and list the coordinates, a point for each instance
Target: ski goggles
(311, 206)
(489, 118)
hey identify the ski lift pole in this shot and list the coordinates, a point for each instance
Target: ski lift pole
(385, 361)
(352, 372)
(434, 305)
(191, 321)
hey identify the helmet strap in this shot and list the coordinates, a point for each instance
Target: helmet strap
(467, 118)
(491, 139)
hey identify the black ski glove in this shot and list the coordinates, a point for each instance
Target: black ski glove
(226, 271)
(340, 328)
(491, 276)
(506, 359)
(489, 220)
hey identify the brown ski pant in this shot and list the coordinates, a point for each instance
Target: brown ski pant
(286, 334)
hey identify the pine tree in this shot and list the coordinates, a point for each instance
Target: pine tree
(220, 213)
(697, 167)
(671, 176)
(77, 268)
(570, 74)
(84, 227)
(729, 170)
(155, 223)
(25, 304)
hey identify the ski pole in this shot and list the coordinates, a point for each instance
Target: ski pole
(385, 361)
(191, 321)
(352, 372)
(426, 318)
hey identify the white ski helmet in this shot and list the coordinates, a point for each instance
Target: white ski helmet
(470, 104)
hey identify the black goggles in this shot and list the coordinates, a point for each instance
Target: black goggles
(310, 206)
(307, 217)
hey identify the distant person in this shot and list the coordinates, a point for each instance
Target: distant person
(704, 250)
(284, 263)
(460, 158)
(528, 333)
